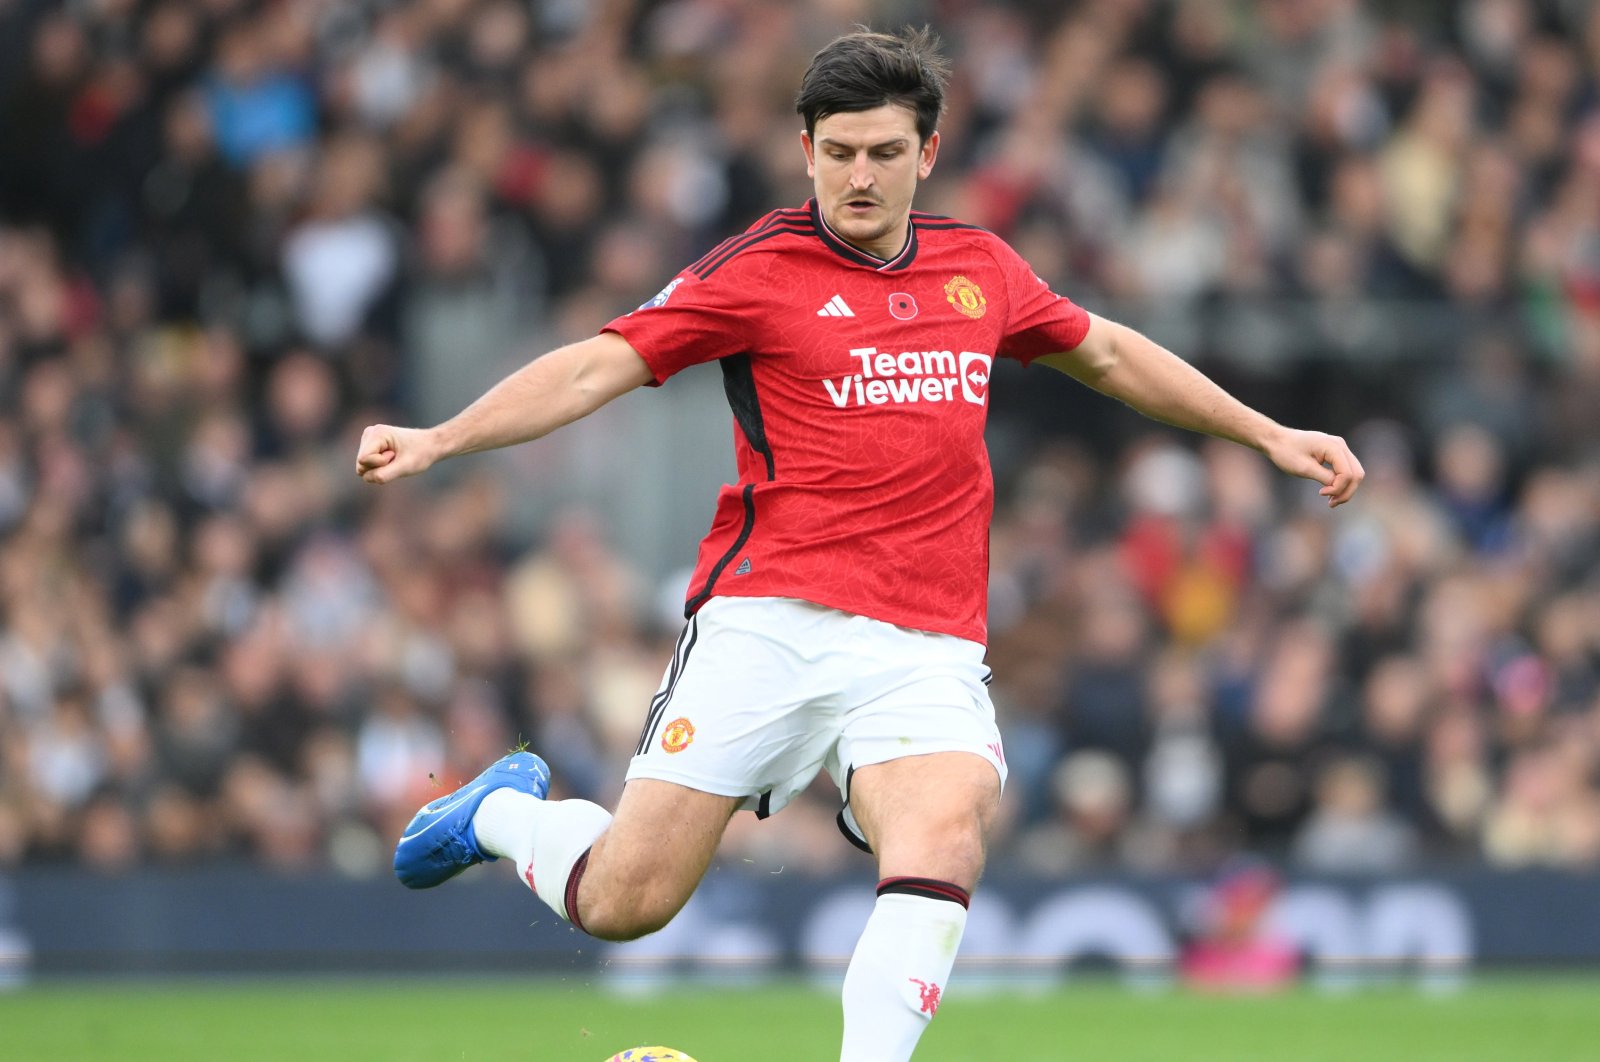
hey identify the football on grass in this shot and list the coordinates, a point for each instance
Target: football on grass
(649, 1054)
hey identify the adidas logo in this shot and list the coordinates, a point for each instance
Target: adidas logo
(743, 568)
(836, 308)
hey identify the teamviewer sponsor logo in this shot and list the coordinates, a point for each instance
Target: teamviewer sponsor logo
(975, 376)
(886, 378)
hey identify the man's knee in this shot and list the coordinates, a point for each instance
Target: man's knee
(928, 816)
(950, 847)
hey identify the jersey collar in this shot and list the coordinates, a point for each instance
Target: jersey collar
(851, 253)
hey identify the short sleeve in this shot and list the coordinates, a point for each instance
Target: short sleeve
(1039, 321)
(692, 320)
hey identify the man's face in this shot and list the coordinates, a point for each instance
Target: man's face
(865, 166)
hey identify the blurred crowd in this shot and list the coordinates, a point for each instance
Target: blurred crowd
(232, 232)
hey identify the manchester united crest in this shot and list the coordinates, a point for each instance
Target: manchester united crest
(678, 735)
(966, 296)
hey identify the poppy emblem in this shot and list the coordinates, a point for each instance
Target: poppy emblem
(966, 296)
(902, 306)
(678, 735)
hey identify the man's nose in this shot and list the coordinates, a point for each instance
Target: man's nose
(861, 172)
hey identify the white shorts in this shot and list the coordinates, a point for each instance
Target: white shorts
(763, 692)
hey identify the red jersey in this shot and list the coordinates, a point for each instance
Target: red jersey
(859, 390)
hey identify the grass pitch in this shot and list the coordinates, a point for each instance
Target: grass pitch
(1550, 1020)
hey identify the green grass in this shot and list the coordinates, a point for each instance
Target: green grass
(1549, 1020)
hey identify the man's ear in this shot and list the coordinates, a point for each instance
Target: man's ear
(811, 153)
(930, 151)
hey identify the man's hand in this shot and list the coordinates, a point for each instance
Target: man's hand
(538, 398)
(387, 453)
(1319, 456)
(1117, 361)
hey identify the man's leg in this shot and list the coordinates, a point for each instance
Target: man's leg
(616, 877)
(927, 819)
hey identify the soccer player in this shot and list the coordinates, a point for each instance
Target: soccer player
(836, 614)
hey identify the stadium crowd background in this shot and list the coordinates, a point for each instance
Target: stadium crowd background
(232, 233)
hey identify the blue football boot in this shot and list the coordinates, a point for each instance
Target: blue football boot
(440, 843)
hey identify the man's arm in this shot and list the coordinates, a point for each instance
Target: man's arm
(559, 388)
(1118, 361)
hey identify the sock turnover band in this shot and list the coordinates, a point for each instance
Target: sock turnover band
(929, 888)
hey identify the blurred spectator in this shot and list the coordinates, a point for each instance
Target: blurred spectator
(258, 104)
(1471, 471)
(1234, 948)
(341, 258)
(1274, 759)
(470, 299)
(1394, 711)
(1094, 803)
(1350, 829)
(1182, 773)
(1459, 779)
(1548, 813)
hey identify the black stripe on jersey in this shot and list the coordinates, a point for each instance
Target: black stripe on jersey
(781, 214)
(791, 215)
(720, 257)
(698, 262)
(785, 214)
(658, 703)
(733, 551)
(939, 221)
(739, 384)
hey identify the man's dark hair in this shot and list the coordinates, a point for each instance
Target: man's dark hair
(861, 71)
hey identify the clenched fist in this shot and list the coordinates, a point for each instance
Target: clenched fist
(387, 453)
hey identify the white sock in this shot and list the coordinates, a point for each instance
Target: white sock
(898, 974)
(545, 838)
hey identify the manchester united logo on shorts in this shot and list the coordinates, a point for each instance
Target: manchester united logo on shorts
(966, 296)
(679, 733)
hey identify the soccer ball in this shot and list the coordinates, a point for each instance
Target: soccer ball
(649, 1054)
